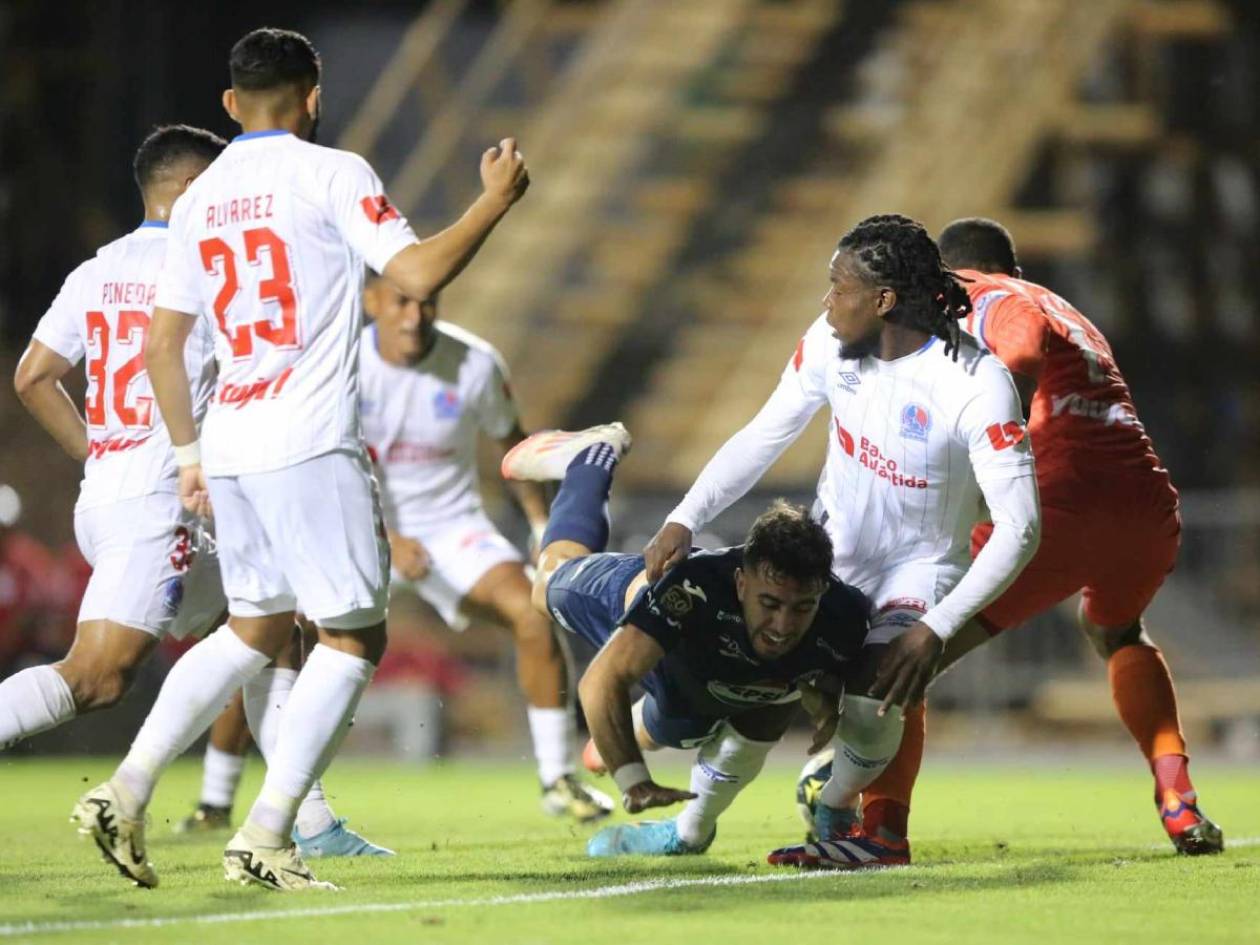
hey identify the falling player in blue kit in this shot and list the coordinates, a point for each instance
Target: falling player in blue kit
(723, 644)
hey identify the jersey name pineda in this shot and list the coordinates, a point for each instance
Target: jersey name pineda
(911, 440)
(102, 313)
(269, 243)
(422, 422)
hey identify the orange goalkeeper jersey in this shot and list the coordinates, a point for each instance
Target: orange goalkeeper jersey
(1083, 424)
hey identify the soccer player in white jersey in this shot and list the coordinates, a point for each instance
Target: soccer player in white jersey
(428, 388)
(926, 431)
(150, 576)
(270, 244)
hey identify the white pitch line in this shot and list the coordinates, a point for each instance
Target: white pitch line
(11, 930)
(600, 892)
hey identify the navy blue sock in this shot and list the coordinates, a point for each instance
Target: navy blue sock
(580, 510)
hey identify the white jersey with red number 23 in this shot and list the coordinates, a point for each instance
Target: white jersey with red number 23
(102, 313)
(269, 243)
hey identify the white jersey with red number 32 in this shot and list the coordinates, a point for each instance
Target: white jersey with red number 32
(102, 314)
(269, 243)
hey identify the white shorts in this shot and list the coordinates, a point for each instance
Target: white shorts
(901, 595)
(461, 551)
(310, 533)
(152, 567)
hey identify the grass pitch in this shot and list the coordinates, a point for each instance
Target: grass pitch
(1003, 854)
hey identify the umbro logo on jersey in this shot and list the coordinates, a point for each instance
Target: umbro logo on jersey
(849, 381)
(378, 209)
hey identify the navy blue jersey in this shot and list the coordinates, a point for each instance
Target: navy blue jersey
(694, 614)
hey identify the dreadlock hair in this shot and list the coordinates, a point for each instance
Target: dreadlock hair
(898, 252)
(789, 544)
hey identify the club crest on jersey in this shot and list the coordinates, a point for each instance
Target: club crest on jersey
(446, 404)
(915, 422)
(849, 381)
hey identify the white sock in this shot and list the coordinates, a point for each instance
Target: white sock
(265, 698)
(864, 744)
(220, 774)
(552, 734)
(31, 702)
(196, 690)
(724, 766)
(313, 723)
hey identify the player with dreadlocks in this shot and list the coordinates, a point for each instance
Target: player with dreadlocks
(923, 436)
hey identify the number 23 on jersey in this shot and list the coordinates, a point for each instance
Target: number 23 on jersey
(220, 260)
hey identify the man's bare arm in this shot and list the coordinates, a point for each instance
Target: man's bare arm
(604, 690)
(530, 496)
(38, 385)
(423, 268)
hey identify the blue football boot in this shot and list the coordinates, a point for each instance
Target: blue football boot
(337, 840)
(647, 838)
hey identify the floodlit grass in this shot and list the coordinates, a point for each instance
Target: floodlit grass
(1006, 854)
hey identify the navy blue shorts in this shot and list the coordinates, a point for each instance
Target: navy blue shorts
(587, 596)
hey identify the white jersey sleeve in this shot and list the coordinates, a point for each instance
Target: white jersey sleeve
(744, 458)
(179, 283)
(60, 328)
(364, 215)
(495, 406)
(1001, 456)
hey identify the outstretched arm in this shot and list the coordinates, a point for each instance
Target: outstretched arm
(734, 469)
(38, 385)
(423, 268)
(626, 658)
(530, 496)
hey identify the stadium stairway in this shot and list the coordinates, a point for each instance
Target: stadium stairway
(950, 109)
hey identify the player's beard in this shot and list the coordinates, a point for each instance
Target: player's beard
(860, 348)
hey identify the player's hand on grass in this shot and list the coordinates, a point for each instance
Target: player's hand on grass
(503, 172)
(907, 667)
(823, 709)
(410, 558)
(193, 493)
(647, 794)
(668, 547)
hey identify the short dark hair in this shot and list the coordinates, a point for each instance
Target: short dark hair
(978, 243)
(168, 144)
(897, 251)
(269, 58)
(788, 543)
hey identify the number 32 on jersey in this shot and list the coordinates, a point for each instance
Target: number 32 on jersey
(220, 260)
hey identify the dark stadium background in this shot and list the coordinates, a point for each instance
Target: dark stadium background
(1145, 212)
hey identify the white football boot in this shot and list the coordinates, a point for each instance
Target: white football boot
(279, 868)
(121, 840)
(545, 456)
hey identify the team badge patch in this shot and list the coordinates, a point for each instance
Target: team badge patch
(677, 601)
(915, 422)
(446, 404)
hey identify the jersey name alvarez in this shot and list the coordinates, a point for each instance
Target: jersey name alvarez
(269, 244)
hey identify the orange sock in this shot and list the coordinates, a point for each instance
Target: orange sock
(1142, 689)
(886, 801)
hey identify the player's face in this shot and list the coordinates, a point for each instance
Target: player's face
(408, 324)
(853, 307)
(777, 610)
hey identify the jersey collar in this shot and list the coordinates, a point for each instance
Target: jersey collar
(265, 133)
